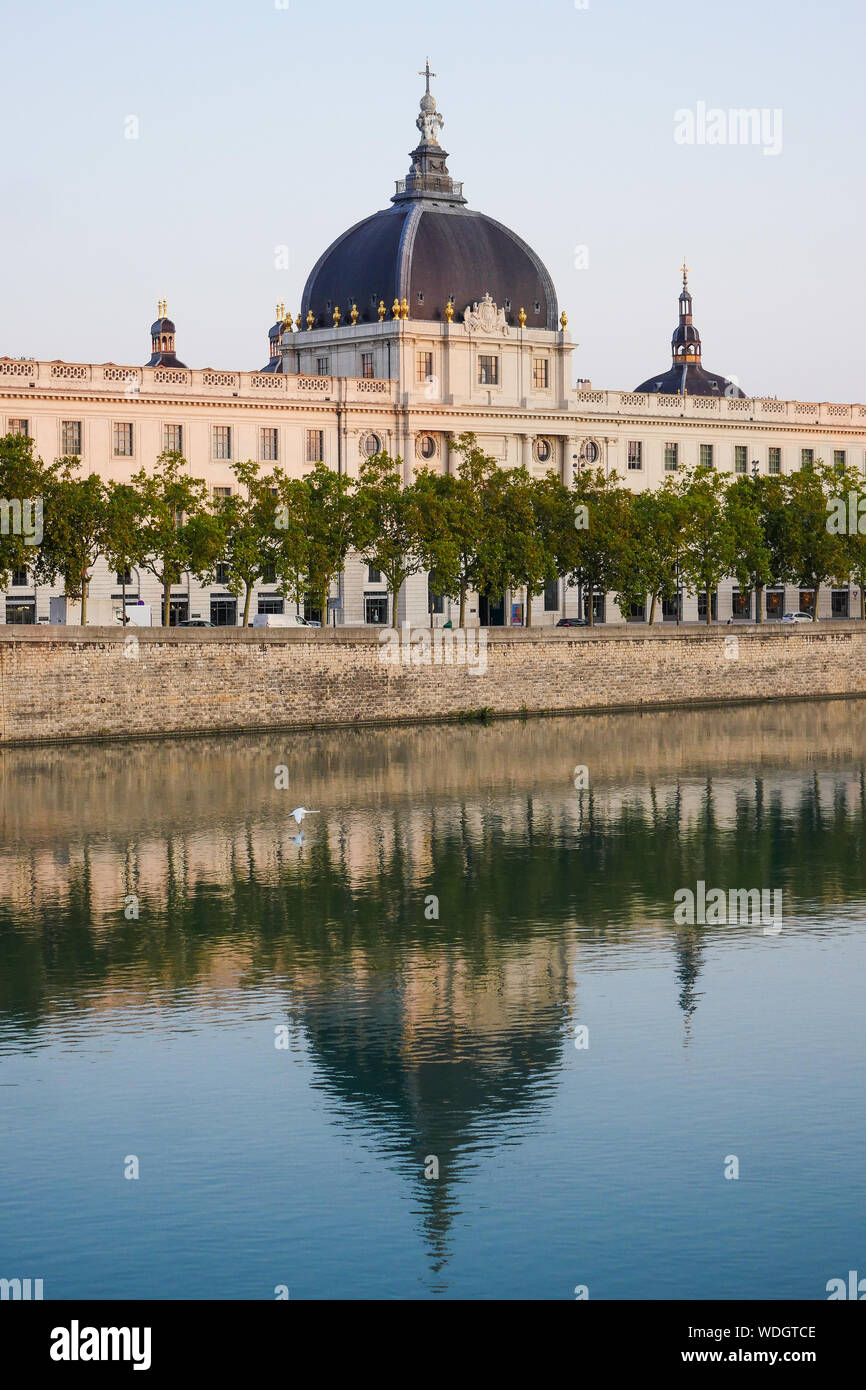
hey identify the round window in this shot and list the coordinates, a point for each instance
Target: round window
(371, 444)
(426, 446)
(543, 450)
(590, 451)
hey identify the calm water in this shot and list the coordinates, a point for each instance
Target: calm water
(412, 1038)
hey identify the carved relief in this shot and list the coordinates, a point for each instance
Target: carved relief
(486, 317)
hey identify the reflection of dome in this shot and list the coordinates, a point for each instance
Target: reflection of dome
(429, 248)
(686, 376)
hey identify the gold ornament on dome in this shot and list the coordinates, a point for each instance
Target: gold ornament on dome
(563, 319)
(354, 316)
(311, 319)
(395, 308)
(298, 323)
(337, 316)
(521, 317)
(449, 311)
(404, 309)
(382, 310)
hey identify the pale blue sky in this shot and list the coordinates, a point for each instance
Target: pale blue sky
(263, 126)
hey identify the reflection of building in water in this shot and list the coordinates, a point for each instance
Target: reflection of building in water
(430, 1032)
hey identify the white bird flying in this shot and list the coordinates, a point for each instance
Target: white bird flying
(301, 811)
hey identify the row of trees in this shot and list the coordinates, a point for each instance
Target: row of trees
(478, 528)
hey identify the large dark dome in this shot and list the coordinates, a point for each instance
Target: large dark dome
(429, 248)
(429, 252)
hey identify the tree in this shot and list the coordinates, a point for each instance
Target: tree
(601, 519)
(388, 529)
(74, 525)
(290, 541)
(707, 554)
(815, 555)
(465, 518)
(747, 504)
(22, 484)
(847, 518)
(652, 542)
(331, 525)
(180, 532)
(249, 523)
(123, 543)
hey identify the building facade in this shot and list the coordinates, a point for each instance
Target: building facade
(420, 323)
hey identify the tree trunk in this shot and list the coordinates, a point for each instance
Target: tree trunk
(863, 602)
(589, 606)
(528, 622)
(815, 604)
(166, 602)
(84, 598)
(123, 596)
(759, 595)
(249, 595)
(462, 620)
(652, 616)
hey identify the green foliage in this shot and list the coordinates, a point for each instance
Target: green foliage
(22, 481)
(75, 514)
(180, 532)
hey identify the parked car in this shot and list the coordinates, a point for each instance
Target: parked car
(279, 620)
(572, 622)
(797, 618)
(195, 622)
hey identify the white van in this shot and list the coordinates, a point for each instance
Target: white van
(279, 620)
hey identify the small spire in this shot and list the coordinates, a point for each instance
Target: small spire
(684, 268)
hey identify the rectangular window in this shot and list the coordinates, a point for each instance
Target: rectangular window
(671, 608)
(222, 571)
(839, 459)
(774, 602)
(19, 579)
(70, 438)
(123, 577)
(807, 458)
(19, 427)
(270, 445)
(807, 601)
(172, 439)
(220, 494)
(367, 365)
(424, 366)
(636, 613)
(269, 575)
(540, 373)
(741, 604)
(635, 453)
(376, 608)
(741, 459)
(435, 602)
(551, 596)
(488, 371)
(123, 441)
(839, 602)
(774, 464)
(315, 446)
(672, 458)
(222, 441)
(374, 576)
(706, 456)
(271, 605)
(323, 366)
(702, 607)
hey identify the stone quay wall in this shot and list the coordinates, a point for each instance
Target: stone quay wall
(65, 684)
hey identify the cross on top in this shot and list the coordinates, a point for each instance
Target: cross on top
(683, 267)
(425, 72)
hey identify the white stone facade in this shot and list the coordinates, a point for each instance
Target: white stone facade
(407, 386)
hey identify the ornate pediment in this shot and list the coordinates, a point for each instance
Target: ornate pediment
(485, 317)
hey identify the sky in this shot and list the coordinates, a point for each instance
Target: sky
(264, 128)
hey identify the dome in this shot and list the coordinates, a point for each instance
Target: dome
(429, 248)
(686, 376)
(160, 326)
(428, 253)
(162, 332)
